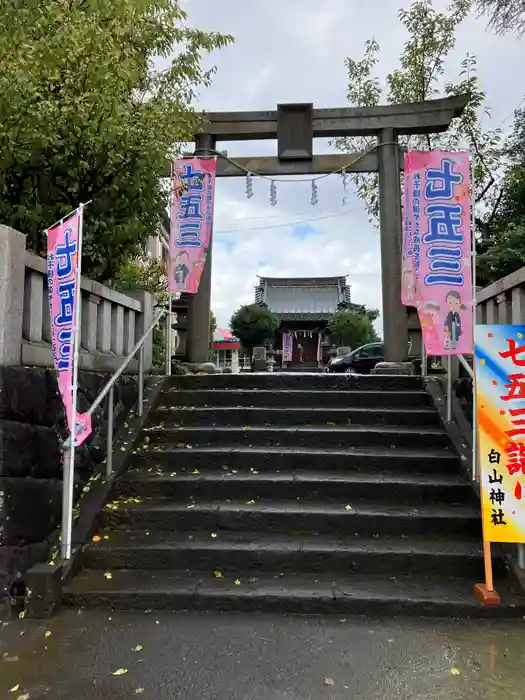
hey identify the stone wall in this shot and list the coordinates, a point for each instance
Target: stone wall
(32, 421)
(110, 324)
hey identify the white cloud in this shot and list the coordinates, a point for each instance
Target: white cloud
(294, 51)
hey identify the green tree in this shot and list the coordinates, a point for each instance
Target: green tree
(501, 228)
(419, 77)
(504, 15)
(353, 328)
(254, 325)
(84, 115)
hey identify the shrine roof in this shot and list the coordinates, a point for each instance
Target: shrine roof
(303, 298)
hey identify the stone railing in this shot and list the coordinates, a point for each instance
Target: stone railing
(503, 302)
(111, 322)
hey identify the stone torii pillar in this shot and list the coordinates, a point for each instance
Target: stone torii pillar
(395, 320)
(294, 126)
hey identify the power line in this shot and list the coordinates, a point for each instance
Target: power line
(291, 223)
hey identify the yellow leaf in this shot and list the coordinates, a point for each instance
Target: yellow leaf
(22, 615)
(455, 671)
(15, 688)
(97, 538)
(195, 471)
(139, 691)
(120, 672)
(237, 582)
(48, 633)
(218, 574)
(108, 575)
(139, 647)
(348, 507)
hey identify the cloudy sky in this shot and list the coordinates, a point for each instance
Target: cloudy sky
(294, 51)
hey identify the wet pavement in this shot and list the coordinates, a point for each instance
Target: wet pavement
(161, 656)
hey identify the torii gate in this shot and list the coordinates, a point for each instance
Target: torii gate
(295, 126)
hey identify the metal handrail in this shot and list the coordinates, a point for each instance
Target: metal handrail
(109, 391)
(139, 345)
(466, 365)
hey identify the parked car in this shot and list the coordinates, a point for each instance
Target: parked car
(360, 361)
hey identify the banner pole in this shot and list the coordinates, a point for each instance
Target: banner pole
(69, 456)
(474, 314)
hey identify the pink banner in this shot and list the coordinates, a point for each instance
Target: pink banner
(193, 183)
(62, 276)
(439, 218)
(410, 272)
(287, 347)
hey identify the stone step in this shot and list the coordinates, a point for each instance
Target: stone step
(314, 438)
(322, 417)
(292, 593)
(302, 484)
(286, 516)
(317, 382)
(291, 398)
(272, 459)
(261, 553)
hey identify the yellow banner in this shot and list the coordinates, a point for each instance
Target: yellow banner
(500, 395)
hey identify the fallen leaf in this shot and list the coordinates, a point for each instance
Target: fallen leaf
(139, 647)
(48, 633)
(22, 615)
(455, 671)
(195, 471)
(97, 538)
(348, 507)
(14, 688)
(218, 574)
(237, 582)
(214, 535)
(250, 503)
(139, 691)
(108, 575)
(332, 425)
(148, 532)
(329, 682)
(120, 672)
(24, 696)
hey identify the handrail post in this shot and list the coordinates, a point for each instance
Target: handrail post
(67, 513)
(449, 389)
(109, 443)
(140, 404)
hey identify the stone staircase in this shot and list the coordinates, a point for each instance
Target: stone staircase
(302, 494)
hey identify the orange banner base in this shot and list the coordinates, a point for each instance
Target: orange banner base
(485, 596)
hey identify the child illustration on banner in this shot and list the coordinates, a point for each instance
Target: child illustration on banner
(429, 317)
(181, 269)
(453, 328)
(409, 283)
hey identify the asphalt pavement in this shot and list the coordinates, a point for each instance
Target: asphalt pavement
(157, 656)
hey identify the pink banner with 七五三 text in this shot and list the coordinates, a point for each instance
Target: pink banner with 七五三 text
(193, 181)
(439, 208)
(62, 280)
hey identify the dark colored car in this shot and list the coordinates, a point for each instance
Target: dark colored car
(360, 361)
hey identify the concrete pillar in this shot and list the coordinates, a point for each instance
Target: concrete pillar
(198, 337)
(235, 362)
(518, 306)
(395, 324)
(12, 274)
(142, 321)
